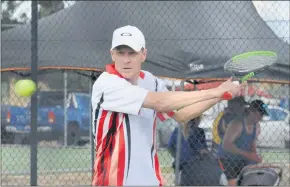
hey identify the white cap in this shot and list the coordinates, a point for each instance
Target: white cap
(130, 36)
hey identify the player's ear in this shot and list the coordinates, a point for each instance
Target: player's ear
(112, 55)
(144, 54)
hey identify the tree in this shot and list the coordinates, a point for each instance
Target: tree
(10, 7)
(49, 7)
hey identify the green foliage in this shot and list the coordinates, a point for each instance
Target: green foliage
(10, 7)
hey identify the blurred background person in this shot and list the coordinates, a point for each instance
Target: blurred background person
(239, 143)
(235, 108)
(185, 151)
(192, 140)
(201, 168)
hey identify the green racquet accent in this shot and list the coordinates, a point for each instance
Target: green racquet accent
(253, 53)
(246, 77)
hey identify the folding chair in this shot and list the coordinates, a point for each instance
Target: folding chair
(256, 175)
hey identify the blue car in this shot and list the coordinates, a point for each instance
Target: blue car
(70, 124)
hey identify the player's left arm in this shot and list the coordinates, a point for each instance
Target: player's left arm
(192, 111)
(187, 113)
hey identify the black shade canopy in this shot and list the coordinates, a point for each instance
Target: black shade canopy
(184, 39)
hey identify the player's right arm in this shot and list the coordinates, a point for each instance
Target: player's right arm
(121, 96)
(169, 101)
(189, 104)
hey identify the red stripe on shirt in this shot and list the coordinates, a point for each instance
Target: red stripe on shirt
(164, 116)
(114, 163)
(97, 165)
(110, 139)
(122, 156)
(156, 162)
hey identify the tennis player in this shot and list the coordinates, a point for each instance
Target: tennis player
(126, 101)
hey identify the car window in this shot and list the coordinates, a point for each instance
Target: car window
(276, 115)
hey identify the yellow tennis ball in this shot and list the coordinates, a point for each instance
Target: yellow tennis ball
(25, 87)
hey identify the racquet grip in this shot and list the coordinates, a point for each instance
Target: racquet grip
(227, 96)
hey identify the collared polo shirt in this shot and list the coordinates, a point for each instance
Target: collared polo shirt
(125, 133)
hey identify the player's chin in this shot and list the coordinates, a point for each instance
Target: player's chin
(128, 75)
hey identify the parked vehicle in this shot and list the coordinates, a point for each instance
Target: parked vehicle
(11, 115)
(51, 118)
(274, 127)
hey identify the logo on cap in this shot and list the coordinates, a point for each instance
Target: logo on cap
(126, 34)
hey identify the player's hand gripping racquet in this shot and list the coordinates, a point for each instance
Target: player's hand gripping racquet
(247, 65)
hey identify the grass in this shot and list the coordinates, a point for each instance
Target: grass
(15, 159)
(276, 156)
(18, 159)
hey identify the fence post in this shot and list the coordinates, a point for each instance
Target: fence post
(34, 102)
(65, 107)
(92, 142)
(178, 146)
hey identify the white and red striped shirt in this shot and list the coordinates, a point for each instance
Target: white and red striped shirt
(125, 133)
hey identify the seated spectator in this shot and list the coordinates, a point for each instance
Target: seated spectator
(196, 138)
(172, 146)
(201, 168)
(185, 150)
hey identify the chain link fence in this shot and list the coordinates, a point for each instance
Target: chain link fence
(272, 137)
(63, 135)
(65, 146)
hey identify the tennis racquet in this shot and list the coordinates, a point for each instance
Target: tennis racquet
(247, 65)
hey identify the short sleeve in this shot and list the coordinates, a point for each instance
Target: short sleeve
(116, 94)
(161, 87)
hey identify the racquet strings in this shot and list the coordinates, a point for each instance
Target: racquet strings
(251, 62)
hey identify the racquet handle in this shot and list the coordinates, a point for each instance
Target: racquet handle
(229, 95)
